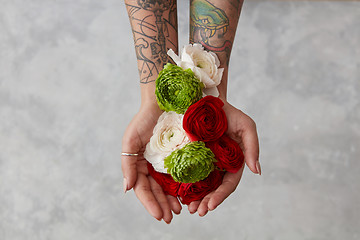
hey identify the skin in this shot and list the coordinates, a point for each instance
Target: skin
(150, 25)
(240, 126)
(154, 27)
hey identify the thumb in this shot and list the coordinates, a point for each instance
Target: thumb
(128, 164)
(251, 148)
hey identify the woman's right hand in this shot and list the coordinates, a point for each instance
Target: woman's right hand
(134, 168)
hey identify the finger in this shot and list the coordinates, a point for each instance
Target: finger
(251, 147)
(203, 207)
(144, 193)
(193, 206)
(162, 200)
(229, 184)
(174, 204)
(128, 163)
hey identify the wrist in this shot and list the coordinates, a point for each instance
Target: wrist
(148, 102)
(222, 98)
(148, 97)
(222, 87)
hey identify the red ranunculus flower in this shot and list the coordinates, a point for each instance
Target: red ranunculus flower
(167, 183)
(189, 192)
(227, 153)
(205, 120)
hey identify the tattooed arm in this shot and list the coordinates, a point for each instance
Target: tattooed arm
(213, 23)
(154, 28)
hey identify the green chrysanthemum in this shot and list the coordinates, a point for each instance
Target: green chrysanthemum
(177, 89)
(192, 163)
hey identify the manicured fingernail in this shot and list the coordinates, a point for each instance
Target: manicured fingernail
(203, 214)
(258, 168)
(125, 185)
(211, 209)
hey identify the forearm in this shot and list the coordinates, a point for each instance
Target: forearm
(213, 23)
(154, 28)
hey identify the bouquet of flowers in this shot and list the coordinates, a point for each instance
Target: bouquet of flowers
(189, 151)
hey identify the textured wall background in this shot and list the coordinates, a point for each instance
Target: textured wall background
(69, 87)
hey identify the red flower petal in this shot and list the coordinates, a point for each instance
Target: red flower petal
(169, 186)
(189, 192)
(228, 153)
(205, 120)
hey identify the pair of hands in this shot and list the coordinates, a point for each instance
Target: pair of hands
(240, 127)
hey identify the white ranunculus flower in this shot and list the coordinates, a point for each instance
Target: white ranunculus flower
(168, 135)
(204, 64)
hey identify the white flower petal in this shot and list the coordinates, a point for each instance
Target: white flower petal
(211, 91)
(197, 46)
(217, 61)
(185, 57)
(204, 78)
(204, 64)
(218, 78)
(186, 65)
(174, 57)
(168, 135)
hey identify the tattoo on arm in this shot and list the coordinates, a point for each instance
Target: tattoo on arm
(154, 28)
(213, 24)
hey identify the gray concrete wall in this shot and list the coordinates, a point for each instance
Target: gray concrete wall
(69, 86)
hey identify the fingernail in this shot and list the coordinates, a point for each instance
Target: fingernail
(211, 209)
(125, 185)
(258, 168)
(202, 214)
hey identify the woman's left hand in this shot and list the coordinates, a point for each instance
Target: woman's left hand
(242, 129)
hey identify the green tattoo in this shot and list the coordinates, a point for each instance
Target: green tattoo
(208, 17)
(206, 21)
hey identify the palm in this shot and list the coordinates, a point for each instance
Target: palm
(135, 170)
(242, 129)
(238, 123)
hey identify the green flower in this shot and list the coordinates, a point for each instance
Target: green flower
(192, 163)
(177, 89)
